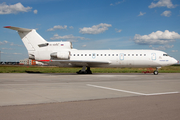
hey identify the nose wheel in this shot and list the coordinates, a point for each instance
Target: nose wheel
(156, 71)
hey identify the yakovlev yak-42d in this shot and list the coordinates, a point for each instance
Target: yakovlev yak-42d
(62, 54)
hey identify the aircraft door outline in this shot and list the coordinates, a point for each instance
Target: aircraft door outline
(121, 56)
(153, 56)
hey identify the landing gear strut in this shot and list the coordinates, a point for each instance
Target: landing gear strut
(84, 70)
(156, 71)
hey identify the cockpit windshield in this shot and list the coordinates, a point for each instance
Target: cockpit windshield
(165, 55)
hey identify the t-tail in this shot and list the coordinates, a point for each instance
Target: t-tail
(30, 38)
(39, 49)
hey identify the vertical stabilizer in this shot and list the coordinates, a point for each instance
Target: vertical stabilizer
(30, 38)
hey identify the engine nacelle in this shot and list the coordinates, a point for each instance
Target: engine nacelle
(63, 55)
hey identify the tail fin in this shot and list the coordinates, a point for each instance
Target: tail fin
(30, 37)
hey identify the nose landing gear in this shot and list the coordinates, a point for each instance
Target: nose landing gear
(156, 71)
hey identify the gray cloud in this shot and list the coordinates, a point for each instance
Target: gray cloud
(57, 27)
(161, 47)
(13, 9)
(119, 2)
(162, 3)
(70, 37)
(95, 29)
(157, 37)
(118, 30)
(35, 11)
(174, 50)
(166, 13)
(141, 13)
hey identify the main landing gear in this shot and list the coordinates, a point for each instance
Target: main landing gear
(156, 71)
(84, 70)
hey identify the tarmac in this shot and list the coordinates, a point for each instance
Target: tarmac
(127, 96)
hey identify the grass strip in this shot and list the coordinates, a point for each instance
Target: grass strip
(51, 69)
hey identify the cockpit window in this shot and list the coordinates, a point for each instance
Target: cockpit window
(165, 55)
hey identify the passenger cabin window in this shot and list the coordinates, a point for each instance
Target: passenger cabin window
(112, 54)
(109, 55)
(104, 54)
(85, 54)
(140, 54)
(132, 54)
(97, 54)
(101, 54)
(74, 54)
(116, 54)
(128, 54)
(136, 54)
(124, 54)
(144, 54)
(81, 54)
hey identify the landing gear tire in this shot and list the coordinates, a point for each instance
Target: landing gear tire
(81, 72)
(155, 72)
(87, 71)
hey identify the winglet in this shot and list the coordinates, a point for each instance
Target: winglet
(18, 29)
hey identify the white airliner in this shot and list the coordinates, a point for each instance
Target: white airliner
(62, 54)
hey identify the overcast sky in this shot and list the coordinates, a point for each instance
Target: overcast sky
(92, 24)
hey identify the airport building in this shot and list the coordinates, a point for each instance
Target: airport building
(27, 62)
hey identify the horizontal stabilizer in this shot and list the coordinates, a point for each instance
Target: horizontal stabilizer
(18, 29)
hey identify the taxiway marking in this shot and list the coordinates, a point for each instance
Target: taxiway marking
(137, 93)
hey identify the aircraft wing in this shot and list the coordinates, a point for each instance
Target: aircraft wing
(83, 62)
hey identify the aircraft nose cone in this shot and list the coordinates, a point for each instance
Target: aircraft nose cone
(174, 61)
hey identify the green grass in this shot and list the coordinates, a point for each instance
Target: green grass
(48, 69)
(36, 69)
